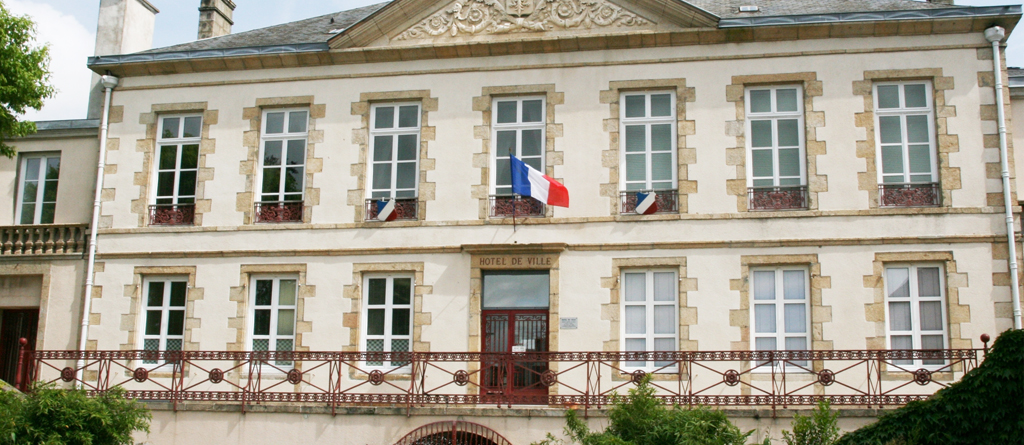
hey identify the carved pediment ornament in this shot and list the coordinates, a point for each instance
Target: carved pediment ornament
(476, 17)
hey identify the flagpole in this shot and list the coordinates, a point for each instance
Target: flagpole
(511, 173)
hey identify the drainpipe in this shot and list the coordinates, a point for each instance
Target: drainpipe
(108, 82)
(995, 34)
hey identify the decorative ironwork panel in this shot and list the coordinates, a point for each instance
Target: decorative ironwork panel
(519, 206)
(453, 433)
(275, 212)
(668, 201)
(909, 195)
(777, 198)
(172, 214)
(405, 208)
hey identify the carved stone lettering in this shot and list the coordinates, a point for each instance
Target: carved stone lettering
(479, 17)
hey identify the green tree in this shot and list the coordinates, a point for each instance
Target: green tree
(24, 76)
(820, 428)
(51, 416)
(642, 419)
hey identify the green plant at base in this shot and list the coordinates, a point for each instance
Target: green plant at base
(820, 428)
(641, 419)
(985, 407)
(51, 416)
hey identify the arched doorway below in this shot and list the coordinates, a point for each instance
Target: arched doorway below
(454, 432)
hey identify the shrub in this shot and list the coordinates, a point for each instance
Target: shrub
(985, 407)
(820, 428)
(641, 419)
(51, 416)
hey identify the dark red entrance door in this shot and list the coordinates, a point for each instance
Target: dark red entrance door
(16, 324)
(516, 376)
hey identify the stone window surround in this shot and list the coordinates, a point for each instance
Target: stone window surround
(148, 147)
(612, 311)
(43, 270)
(361, 138)
(949, 177)
(250, 168)
(611, 158)
(741, 318)
(956, 313)
(484, 159)
(132, 322)
(736, 93)
(476, 286)
(241, 296)
(351, 319)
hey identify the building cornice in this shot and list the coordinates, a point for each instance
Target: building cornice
(764, 29)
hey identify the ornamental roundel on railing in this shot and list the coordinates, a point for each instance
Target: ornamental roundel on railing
(140, 375)
(461, 377)
(731, 377)
(294, 376)
(67, 374)
(549, 378)
(826, 377)
(922, 377)
(216, 376)
(376, 377)
(637, 376)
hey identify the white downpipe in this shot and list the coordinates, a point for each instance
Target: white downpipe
(995, 35)
(108, 82)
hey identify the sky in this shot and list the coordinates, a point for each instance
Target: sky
(69, 26)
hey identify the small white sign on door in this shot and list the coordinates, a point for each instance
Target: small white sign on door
(518, 348)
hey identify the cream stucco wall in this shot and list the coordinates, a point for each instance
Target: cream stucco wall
(78, 156)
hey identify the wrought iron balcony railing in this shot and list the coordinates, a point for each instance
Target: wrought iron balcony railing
(777, 198)
(522, 206)
(277, 212)
(45, 239)
(172, 214)
(405, 209)
(909, 194)
(668, 201)
(860, 378)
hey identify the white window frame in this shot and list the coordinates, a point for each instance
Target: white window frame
(388, 307)
(780, 335)
(44, 158)
(272, 336)
(165, 310)
(394, 132)
(519, 126)
(775, 117)
(648, 121)
(178, 142)
(902, 112)
(284, 137)
(915, 300)
(649, 303)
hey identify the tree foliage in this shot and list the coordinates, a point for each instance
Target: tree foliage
(985, 407)
(820, 428)
(50, 416)
(641, 419)
(24, 76)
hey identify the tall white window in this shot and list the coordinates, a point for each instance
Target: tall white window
(283, 155)
(648, 140)
(915, 308)
(273, 314)
(781, 309)
(905, 134)
(388, 316)
(164, 324)
(178, 159)
(649, 312)
(518, 129)
(775, 142)
(395, 135)
(37, 200)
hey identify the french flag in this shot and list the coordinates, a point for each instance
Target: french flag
(527, 181)
(386, 210)
(646, 203)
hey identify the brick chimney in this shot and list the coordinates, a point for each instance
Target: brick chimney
(123, 27)
(215, 18)
(941, 2)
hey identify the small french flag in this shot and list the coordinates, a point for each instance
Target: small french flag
(527, 181)
(386, 210)
(646, 203)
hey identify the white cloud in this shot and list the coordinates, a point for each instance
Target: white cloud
(70, 44)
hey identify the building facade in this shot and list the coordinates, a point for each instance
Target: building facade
(826, 178)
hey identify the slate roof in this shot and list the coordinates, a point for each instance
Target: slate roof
(317, 30)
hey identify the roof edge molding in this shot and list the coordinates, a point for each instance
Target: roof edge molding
(404, 20)
(875, 16)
